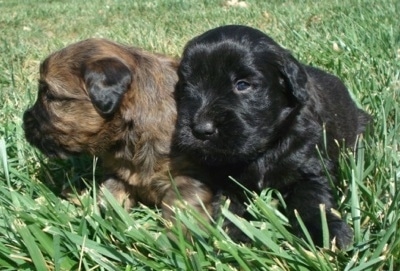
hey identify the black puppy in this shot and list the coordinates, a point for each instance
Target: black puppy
(248, 109)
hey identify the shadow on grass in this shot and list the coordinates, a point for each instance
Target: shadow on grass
(67, 176)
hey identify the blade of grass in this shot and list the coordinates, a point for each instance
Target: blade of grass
(29, 241)
(325, 229)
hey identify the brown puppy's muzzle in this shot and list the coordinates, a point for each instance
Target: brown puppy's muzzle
(31, 126)
(38, 132)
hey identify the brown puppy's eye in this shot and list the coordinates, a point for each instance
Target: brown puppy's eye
(42, 86)
(242, 85)
(44, 91)
(50, 96)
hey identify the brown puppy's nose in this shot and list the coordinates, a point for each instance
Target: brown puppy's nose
(204, 129)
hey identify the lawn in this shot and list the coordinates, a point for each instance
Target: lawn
(359, 41)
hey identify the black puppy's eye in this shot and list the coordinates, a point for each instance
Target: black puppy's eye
(242, 85)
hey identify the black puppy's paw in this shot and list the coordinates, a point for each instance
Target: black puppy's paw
(341, 232)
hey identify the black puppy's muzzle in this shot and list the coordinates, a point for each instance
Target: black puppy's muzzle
(204, 129)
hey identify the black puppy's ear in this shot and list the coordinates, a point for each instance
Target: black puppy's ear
(296, 78)
(106, 80)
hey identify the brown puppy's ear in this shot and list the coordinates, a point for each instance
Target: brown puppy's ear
(296, 78)
(106, 80)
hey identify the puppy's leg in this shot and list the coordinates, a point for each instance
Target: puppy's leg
(238, 207)
(306, 198)
(190, 191)
(120, 192)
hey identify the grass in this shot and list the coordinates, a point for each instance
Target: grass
(357, 40)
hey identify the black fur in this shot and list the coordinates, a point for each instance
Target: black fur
(106, 80)
(248, 109)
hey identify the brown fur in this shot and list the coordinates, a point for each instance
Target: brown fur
(133, 142)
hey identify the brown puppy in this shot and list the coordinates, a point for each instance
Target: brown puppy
(115, 102)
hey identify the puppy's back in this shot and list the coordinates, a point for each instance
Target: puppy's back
(342, 117)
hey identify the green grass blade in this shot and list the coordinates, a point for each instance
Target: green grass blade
(29, 241)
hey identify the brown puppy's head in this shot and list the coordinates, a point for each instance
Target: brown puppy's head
(92, 92)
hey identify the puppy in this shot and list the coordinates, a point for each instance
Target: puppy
(248, 109)
(116, 102)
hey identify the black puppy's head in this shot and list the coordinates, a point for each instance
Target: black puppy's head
(237, 93)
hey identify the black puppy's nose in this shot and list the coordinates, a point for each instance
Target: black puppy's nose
(204, 129)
